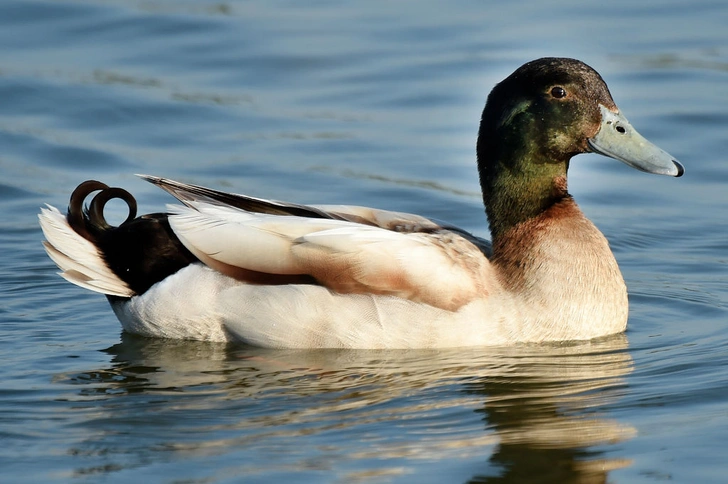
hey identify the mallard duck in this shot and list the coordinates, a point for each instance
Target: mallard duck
(228, 267)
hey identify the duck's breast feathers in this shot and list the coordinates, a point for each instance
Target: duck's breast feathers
(433, 266)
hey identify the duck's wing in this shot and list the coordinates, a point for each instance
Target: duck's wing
(190, 194)
(401, 222)
(345, 249)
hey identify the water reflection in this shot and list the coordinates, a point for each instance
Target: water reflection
(545, 409)
(513, 413)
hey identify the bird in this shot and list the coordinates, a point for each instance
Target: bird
(226, 267)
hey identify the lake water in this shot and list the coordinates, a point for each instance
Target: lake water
(373, 103)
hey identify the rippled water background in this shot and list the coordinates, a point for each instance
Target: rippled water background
(377, 104)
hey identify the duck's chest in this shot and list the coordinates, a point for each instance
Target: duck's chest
(565, 278)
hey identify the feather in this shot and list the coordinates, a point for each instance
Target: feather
(78, 258)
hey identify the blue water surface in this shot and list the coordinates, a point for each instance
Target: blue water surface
(370, 103)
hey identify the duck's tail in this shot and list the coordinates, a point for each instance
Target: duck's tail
(71, 241)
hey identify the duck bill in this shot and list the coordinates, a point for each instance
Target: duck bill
(619, 140)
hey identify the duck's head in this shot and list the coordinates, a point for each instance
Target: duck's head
(535, 121)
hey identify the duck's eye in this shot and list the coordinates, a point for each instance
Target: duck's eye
(558, 92)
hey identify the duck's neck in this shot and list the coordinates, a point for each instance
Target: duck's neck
(518, 180)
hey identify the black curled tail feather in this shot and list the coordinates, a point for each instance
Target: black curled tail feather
(90, 222)
(140, 251)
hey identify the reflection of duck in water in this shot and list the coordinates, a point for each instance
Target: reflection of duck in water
(540, 405)
(229, 267)
(545, 411)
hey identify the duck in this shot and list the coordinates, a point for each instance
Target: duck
(226, 267)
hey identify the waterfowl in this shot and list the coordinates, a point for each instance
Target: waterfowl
(228, 267)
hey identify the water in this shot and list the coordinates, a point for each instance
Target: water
(376, 104)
